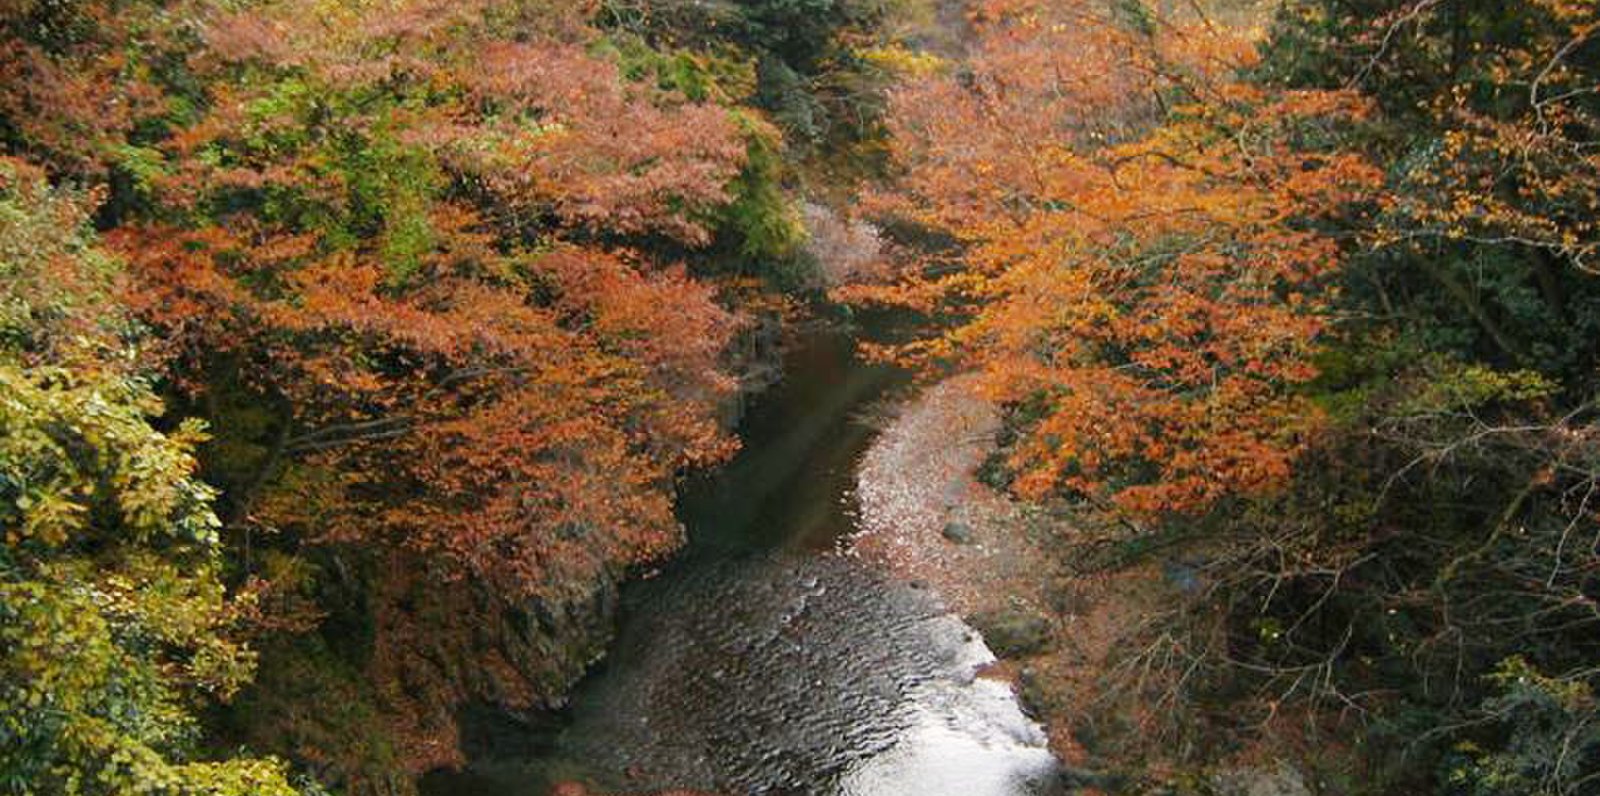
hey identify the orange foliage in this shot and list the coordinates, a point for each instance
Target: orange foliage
(386, 217)
(536, 120)
(528, 443)
(1523, 173)
(600, 157)
(416, 234)
(1147, 295)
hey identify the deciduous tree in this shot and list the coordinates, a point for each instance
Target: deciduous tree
(1143, 283)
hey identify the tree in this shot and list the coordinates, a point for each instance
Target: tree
(1146, 294)
(420, 265)
(115, 628)
(1395, 206)
(1490, 124)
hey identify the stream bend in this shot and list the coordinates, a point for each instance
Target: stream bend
(766, 660)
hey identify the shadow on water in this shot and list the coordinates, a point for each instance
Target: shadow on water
(760, 660)
(789, 488)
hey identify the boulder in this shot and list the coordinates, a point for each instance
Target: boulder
(958, 532)
(1281, 780)
(1013, 632)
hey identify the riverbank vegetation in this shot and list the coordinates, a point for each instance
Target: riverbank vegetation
(352, 350)
(1290, 308)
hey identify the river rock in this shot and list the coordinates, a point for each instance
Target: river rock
(1034, 693)
(1013, 632)
(1284, 780)
(958, 532)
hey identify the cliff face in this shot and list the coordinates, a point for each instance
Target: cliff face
(376, 695)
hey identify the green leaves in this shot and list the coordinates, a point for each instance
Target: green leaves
(69, 441)
(1549, 729)
(114, 625)
(760, 214)
(1459, 387)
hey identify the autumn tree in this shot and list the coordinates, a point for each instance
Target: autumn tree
(421, 265)
(1318, 320)
(115, 629)
(414, 274)
(1465, 380)
(1490, 125)
(1143, 287)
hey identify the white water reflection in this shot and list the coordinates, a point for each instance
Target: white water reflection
(802, 675)
(967, 735)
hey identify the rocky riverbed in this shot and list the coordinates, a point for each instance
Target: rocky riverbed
(770, 657)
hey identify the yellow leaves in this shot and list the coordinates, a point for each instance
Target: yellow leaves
(65, 445)
(49, 517)
(1453, 387)
(114, 619)
(106, 652)
(246, 777)
(900, 60)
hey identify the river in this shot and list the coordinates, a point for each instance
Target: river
(767, 659)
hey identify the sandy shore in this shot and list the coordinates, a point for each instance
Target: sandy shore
(926, 517)
(918, 481)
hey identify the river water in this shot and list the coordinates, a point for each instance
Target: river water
(766, 659)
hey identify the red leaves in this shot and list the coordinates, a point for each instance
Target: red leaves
(450, 390)
(602, 154)
(396, 252)
(496, 426)
(548, 127)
